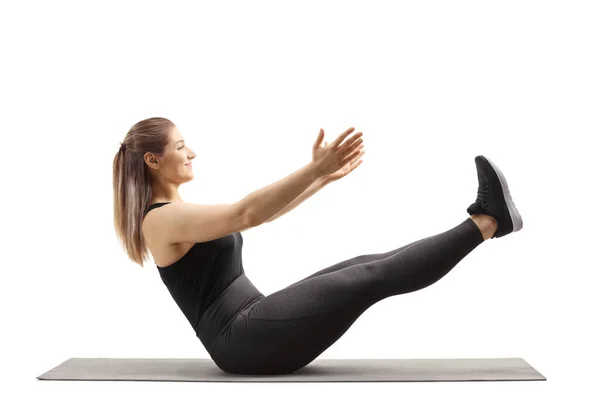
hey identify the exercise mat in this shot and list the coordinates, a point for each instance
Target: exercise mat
(320, 370)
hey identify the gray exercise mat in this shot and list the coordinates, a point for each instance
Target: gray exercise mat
(320, 370)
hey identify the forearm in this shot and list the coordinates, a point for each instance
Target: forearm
(312, 189)
(264, 203)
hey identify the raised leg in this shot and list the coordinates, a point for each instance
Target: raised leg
(486, 224)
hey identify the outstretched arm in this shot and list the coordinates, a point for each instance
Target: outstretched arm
(308, 192)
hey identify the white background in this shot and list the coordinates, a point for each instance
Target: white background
(432, 84)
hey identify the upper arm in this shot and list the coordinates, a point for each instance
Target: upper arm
(195, 223)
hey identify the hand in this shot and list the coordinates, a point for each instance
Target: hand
(345, 170)
(335, 160)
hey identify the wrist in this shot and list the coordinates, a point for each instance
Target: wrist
(315, 171)
(321, 181)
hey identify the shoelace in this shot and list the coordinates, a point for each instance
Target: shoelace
(482, 195)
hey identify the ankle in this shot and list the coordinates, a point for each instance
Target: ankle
(486, 224)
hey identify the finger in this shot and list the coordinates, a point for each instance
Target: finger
(344, 134)
(356, 137)
(352, 157)
(356, 165)
(356, 146)
(319, 138)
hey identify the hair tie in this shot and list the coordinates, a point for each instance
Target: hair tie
(123, 146)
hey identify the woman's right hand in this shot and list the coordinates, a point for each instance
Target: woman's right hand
(330, 158)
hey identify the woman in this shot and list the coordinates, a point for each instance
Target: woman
(197, 250)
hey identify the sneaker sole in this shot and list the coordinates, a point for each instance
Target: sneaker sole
(517, 221)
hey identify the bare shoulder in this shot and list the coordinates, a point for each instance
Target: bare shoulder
(151, 225)
(163, 252)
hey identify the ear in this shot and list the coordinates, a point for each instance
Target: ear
(151, 160)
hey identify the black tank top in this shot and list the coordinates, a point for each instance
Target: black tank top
(197, 278)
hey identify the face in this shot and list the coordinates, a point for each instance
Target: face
(176, 163)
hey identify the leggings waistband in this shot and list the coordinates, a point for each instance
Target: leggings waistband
(237, 297)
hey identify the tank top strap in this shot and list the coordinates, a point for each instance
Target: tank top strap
(155, 205)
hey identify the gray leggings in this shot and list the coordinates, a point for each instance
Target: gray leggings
(248, 333)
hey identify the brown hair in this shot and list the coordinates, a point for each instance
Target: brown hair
(132, 184)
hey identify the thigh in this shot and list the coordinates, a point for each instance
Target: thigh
(256, 343)
(355, 285)
(357, 260)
